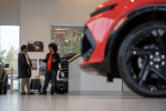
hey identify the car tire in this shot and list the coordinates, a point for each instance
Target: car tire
(130, 71)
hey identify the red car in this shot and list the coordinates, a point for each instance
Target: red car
(126, 39)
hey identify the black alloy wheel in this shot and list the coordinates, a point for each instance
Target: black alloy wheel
(142, 59)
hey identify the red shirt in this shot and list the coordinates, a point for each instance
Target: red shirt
(49, 62)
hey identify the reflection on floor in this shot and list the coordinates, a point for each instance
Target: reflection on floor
(113, 102)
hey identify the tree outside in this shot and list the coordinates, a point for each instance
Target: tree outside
(9, 45)
(12, 58)
(2, 55)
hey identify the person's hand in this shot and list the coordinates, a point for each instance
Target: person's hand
(31, 67)
(54, 60)
(41, 59)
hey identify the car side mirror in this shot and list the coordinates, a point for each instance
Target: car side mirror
(6, 65)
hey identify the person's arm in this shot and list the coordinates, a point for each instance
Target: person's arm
(31, 65)
(30, 62)
(56, 59)
(46, 59)
(22, 60)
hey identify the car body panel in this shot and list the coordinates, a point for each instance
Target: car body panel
(3, 79)
(102, 25)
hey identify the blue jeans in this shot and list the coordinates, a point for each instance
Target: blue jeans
(50, 76)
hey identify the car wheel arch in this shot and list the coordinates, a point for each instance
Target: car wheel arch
(136, 17)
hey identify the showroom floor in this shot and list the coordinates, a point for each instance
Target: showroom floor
(80, 103)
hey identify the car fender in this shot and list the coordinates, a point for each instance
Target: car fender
(115, 39)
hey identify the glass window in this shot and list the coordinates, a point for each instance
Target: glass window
(9, 48)
(9, 45)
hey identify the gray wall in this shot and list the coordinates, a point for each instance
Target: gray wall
(82, 82)
(9, 12)
(38, 15)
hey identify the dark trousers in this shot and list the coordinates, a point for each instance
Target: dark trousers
(50, 76)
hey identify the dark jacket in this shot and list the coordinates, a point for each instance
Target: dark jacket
(24, 70)
(54, 65)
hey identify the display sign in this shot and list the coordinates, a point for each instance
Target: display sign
(68, 38)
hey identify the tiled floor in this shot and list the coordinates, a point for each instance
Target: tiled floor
(80, 103)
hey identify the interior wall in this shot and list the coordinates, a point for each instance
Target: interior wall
(9, 12)
(90, 83)
(38, 15)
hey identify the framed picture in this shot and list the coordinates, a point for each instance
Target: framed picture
(42, 67)
(67, 37)
(36, 46)
(34, 64)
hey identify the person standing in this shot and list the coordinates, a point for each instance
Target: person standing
(52, 60)
(24, 70)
